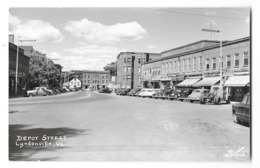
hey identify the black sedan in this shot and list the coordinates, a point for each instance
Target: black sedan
(241, 111)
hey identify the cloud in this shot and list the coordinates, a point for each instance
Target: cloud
(91, 57)
(42, 31)
(14, 21)
(54, 55)
(94, 32)
(150, 46)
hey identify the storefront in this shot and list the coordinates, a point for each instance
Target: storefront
(238, 86)
(207, 82)
(189, 82)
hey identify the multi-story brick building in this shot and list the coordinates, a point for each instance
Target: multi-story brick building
(95, 79)
(23, 71)
(201, 60)
(129, 68)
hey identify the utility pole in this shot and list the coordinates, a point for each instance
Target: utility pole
(220, 52)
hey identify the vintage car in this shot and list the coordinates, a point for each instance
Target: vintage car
(147, 92)
(241, 111)
(133, 91)
(124, 91)
(167, 93)
(104, 90)
(217, 95)
(181, 93)
(158, 94)
(39, 91)
(196, 94)
(118, 91)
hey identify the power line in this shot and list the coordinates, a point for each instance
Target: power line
(195, 14)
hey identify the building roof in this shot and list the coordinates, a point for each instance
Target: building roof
(100, 72)
(136, 53)
(27, 48)
(226, 43)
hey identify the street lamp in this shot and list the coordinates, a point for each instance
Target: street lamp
(17, 59)
(220, 55)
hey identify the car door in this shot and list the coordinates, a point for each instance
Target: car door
(241, 108)
(41, 92)
(247, 111)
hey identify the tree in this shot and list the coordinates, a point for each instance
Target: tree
(43, 73)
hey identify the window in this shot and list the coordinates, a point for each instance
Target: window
(173, 67)
(139, 60)
(124, 60)
(103, 81)
(170, 67)
(162, 69)
(228, 61)
(128, 59)
(179, 66)
(245, 58)
(236, 60)
(189, 65)
(88, 76)
(124, 69)
(106, 76)
(213, 63)
(158, 71)
(244, 100)
(183, 66)
(207, 64)
(124, 77)
(88, 81)
(139, 77)
(194, 64)
(139, 69)
(103, 77)
(200, 63)
(129, 69)
(85, 76)
(128, 77)
(166, 68)
(85, 81)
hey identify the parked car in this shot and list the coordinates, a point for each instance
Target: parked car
(39, 91)
(196, 94)
(124, 91)
(167, 93)
(136, 94)
(133, 91)
(158, 94)
(241, 111)
(104, 90)
(183, 93)
(216, 95)
(147, 92)
(118, 91)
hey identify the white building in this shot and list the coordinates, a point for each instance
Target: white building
(75, 83)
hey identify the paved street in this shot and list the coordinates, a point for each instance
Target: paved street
(99, 127)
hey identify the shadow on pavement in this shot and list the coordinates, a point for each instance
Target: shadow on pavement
(17, 111)
(49, 139)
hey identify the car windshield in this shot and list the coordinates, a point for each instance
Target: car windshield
(196, 91)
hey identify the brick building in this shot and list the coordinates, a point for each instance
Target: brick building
(23, 71)
(199, 61)
(95, 79)
(129, 68)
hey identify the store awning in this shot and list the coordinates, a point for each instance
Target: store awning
(237, 81)
(188, 82)
(207, 81)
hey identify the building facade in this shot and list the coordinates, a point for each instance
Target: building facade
(202, 59)
(75, 83)
(129, 68)
(95, 79)
(23, 71)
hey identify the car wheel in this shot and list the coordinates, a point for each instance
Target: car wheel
(216, 100)
(202, 100)
(191, 101)
(235, 119)
(30, 95)
(228, 101)
(181, 100)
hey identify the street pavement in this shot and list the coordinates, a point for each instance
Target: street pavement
(90, 126)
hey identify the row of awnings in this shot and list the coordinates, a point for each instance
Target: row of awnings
(234, 81)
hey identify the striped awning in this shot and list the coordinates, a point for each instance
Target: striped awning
(237, 81)
(188, 82)
(207, 81)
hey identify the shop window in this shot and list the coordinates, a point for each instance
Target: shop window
(245, 58)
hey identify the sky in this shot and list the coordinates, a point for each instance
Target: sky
(90, 38)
